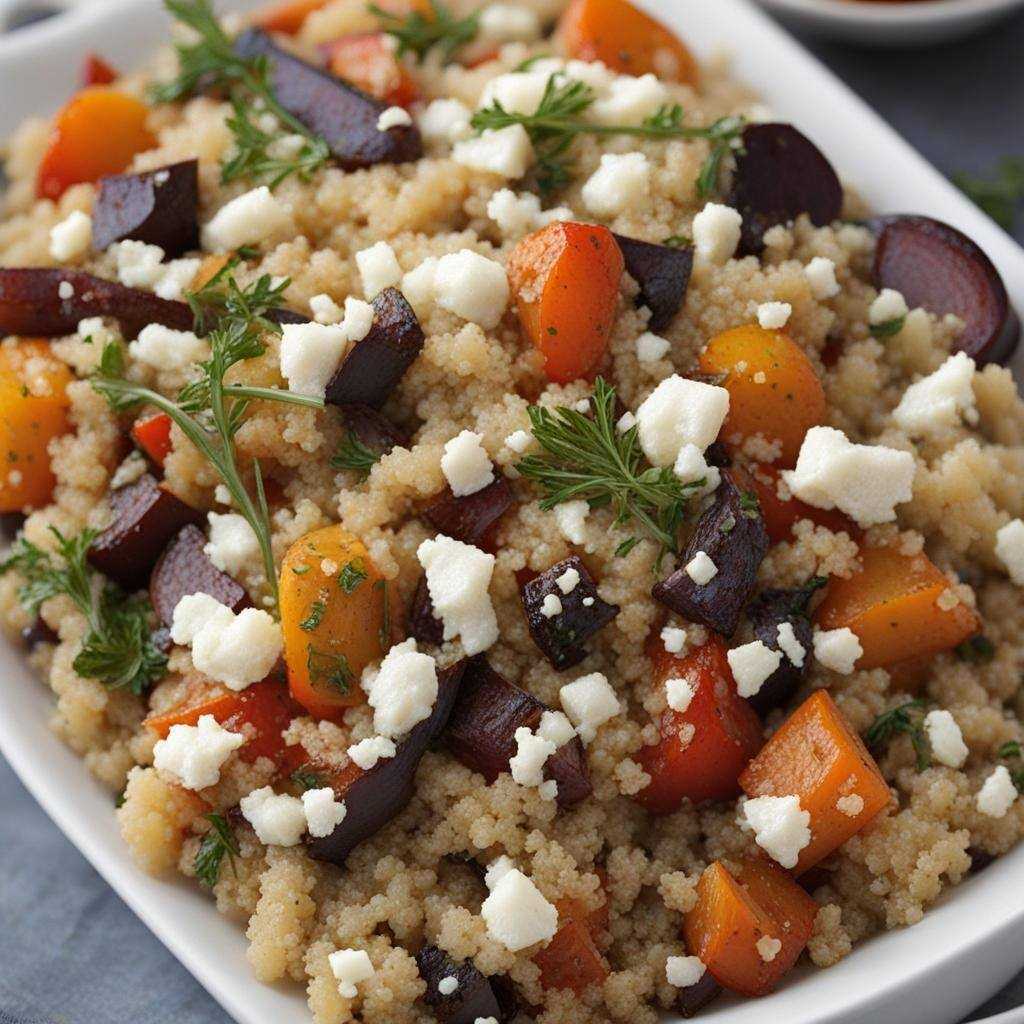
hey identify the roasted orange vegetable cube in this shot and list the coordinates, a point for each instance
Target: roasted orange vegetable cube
(369, 62)
(816, 756)
(153, 435)
(572, 958)
(287, 17)
(96, 71)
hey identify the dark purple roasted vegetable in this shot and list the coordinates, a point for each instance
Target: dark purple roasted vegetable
(381, 793)
(481, 732)
(694, 998)
(663, 274)
(940, 269)
(340, 113)
(145, 517)
(184, 569)
(779, 175)
(718, 455)
(732, 534)
(477, 996)
(38, 633)
(421, 622)
(471, 517)
(32, 303)
(562, 637)
(159, 207)
(373, 368)
(373, 430)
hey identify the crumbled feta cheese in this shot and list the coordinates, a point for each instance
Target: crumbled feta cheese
(629, 100)
(589, 702)
(232, 546)
(837, 649)
(71, 237)
(773, 316)
(402, 692)
(701, 569)
(571, 517)
(65, 290)
(358, 319)
(448, 986)
(527, 764)
(716, 232)
(366, 753)
(279, 819)
(1010, 549)
(850, 805)
(768, 948)
(458, 578)
(555, 728)
(518, 214)
(466, 464)
(138, 265)
(176, 277)
(325, 310)
(650, 348)
(866, 482)
(519, 92)
(508, 23)
(393, 117)
(445, 121)
(497, 870)
(194, 754)
(679, 692)
(568, 581)
(418, 285)
(254, 216)
(780, 826)
(378, 268)
(551, 606)
(519, 441)
(691, 466)
(310, 354)
(516, 913)
(323, 812)
(674, 639)
(945, 738)
(751, 665)
(997, 793)
(888, 306)
(131, 469)
(680, 412)
(506, 152)
(684, 971)
(790, 645)
(626, 422)
(940, 399)
(167, 349)
(621, 182)
(821, 278)
(350, 966)
(95, 329)
(472, 286)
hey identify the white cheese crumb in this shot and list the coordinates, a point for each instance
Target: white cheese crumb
(680, 412)
(889, 305)
(850, 805)
(679, 693)
(571, 517)
(445, 120)
(551, 606)
(716, 232)
(325, 310)
(254, 216)
(506, 152)
(279, 819)
(519, 441)
(780, 826)
(323, 812)
(751, 665)
(629, 100)
(701, 569)
(621, 182)
(516, 913)
(310, 354)
(837, 649)
(790, 645)
(650, 348)
(176, 277)
(518, 214)
(166, 349)
(527, 764)
(506, 23)
(232, 546)
(519, 92)
(773, 316)
(768, 948)
(626, 422)
(821, 277)
(138, 265)
(674, 639)
(497, 870)
(466, 464)
(350, 966)
(568, 581)
(65, 290)
(997, 793)
(940, 399)
(555, 728)
(393, 117)
(945, 738)
(446, 986)
(378, 268)
(589, 702)
(684, 971)
(131, 469)
(72, 237)
(1010, 549)
(366, 753)
(691, 466)
(472, 286)
(194, 754)
(402, 692)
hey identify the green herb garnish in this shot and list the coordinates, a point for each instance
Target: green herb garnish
(331, 669)
(217, 842)
(305, 778)
(352, 574)
(976, 649)
(353, 455)
(749, 505)
(221, 297)
(418, 33)
(1001, 194)
(315, 616)
(888, 328)
(904, 719)
(1011, 751)
(678, 241)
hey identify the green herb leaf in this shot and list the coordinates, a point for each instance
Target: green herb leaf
(905, 719)
(418, 34)
(353, 455)
(218, 841)
(1010, 749)
(352, 574)
(888, 328)
(678, 241)
(331, 669)
(999, 194)
(305, 778)
(221, 297)
(315, 616)
(749, 505)
(976, 649)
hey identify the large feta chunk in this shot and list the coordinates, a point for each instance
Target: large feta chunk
(472, 286)
(945, 738)
(997, 794)
(781, 826)
(323, 811)
(402, 692)
(166, 349)
(177, 276)
(310, 354)
(629, 100)
(751, 665)
(527, 763)
(821, 278)
(716, 232)
(506, 152)
(366, 753)
(232, 547)
(679, 412)
(940, 399)
(350, 966)
(378, 267)
(516, 913)
(278, 819)
(138, 265)
(71, 237)
(684, 971)
(837, 649)
(254, 216)
(445, 120)
(1010, 549)
(589, 702)
(194, 754)
(620, 183)
(466, 465)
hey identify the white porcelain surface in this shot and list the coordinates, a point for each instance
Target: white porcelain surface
(966, 947)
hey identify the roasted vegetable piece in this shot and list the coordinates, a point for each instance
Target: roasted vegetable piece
(481, 732)
(96, 71)
(473, 518)
(146, 515)
(421, 622)
(153, 435)
(663, 274)
(816, 756)
(31, 303)
(159, 207)
(572, 958)
(368, 61)
(561, 638)
(941, 269)
(287, 17)
(735, 912)
(773, 389)
(732, 534)
(892, 604)
(334, 623)
(376, 796)
(779, 175)
(693, 998)
(375, 365)
(343, 115)
(33, 411)
(626, 39)
(703, 749)
(73, 154)
(474, 998)
(565, 279)
(372, 430)
(184, 568)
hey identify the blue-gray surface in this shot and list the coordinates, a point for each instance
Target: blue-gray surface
(72, 953)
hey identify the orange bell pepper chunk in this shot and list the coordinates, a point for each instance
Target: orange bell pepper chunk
(773, 388)
(736, 912)
(816, 756)
(704, 748)
(96, 71)
(98, 132)
(893, 605)
(369, 63)
(153, 435)
(572, 959)
(565, 280)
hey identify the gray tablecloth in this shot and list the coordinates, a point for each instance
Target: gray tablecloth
(72, 952)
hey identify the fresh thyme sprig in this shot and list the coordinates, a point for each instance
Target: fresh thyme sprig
(905, 719)
(557, 121)
(117, 648)
(260, 153)
(218, 841)
(353, 455)
(418, 33)
(588, 458)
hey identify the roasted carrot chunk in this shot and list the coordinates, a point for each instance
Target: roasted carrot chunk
(894, 605)
(153, 435)
(626, 39)
(565, 279)
(773, 389)
(704, 748)
(96, 71)
(96, 133)
(816, 756)
(288, 17)
(749, 926)
(367, 61)
(572, 958)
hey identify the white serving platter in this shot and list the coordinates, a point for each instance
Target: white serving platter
(966, 947)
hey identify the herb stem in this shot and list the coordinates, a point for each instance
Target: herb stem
(272, 395)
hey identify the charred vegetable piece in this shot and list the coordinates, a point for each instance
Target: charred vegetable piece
(146, 517)
(473, 517)
(373, 368)
(183, 569)
(38, 633)
(732, 534)
(481, 732)
(31, 303)
(474, 998)
(561, 637)
(692, 999)
(153, 435)
(935, 266)
(368, 60)
(572, 959)
(781, 174)
(159, 207)
(373, 431)
(376, 796)
(287, 17)
(422, 623)
(663, 274)
(343, 115)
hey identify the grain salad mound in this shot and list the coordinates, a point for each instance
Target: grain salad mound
(500, 513)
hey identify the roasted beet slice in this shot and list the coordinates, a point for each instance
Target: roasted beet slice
(422, 624)
(380, 794)
(561, 637)
(146, 517)
(184, 569)
(694, 998)
(481, 732)
(160, 207)
(38, 633)
(337, 111)
(471, 517)
(780, 174)
(373, 430)
(662, 272)
(373, 368)
(32, 303)
(941, 269)
(474, 998)
(733, 535)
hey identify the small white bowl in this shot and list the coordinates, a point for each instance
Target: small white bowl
(919, 23)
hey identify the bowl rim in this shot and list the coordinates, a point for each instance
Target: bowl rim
(914, 12)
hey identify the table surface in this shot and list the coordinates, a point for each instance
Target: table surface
(73, 953)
